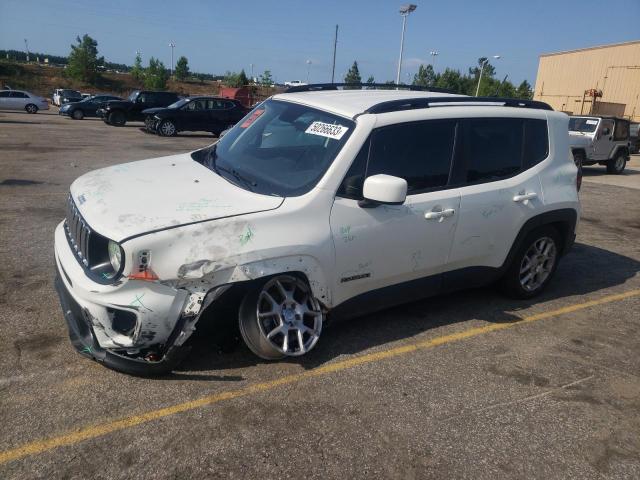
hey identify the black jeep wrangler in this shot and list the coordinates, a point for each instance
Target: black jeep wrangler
(119, 112)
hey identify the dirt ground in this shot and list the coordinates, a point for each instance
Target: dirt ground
(469, 385)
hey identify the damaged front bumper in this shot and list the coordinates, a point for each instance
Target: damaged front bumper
(136, 327)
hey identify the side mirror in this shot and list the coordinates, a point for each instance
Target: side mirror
(383, 190)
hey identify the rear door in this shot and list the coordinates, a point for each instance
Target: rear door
(18, 100)
(499, 191)
(218, 115)
(394, 244)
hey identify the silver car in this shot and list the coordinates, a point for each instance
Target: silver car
(22, 100)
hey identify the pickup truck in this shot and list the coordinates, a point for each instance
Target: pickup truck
(119, 112)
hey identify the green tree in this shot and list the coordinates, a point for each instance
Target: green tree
(524, 90)
(353, 75)
(182, 68)
(371, 79)
(137, 72)
(425, 77)
(266, 79)
(83, 59)
(236, 80)
(156, 75)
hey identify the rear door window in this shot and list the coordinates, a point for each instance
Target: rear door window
(622, 130)
(18, 95)
(492, 148)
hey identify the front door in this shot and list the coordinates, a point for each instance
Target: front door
(389, 245)
(603, 145)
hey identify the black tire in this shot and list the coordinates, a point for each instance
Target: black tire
(117, 119)
(31, 108)
(616, 165)
(511, 282)
(77, 114)
(167, 129)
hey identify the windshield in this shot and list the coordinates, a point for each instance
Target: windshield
(179, 103)
(279, 148)
(583, 124)
(133, 96)
(71, 93)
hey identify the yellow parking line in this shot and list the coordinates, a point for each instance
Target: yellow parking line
(87, 433)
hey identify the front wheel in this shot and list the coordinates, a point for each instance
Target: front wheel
(167, 128)
(533, 265)
(31, 108)
(616, 165)
(280, 318)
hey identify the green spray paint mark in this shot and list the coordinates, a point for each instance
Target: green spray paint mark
(246, 236)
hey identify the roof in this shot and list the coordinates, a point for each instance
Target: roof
(611, 45)
(349, 103)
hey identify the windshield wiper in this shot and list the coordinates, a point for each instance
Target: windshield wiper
(212, 164)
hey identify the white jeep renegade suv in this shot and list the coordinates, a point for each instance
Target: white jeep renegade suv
(319, 202)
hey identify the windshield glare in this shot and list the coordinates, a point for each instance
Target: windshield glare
(583, 124)
(279, 148)
(133, 96)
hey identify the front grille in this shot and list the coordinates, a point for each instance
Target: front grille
(78, 232)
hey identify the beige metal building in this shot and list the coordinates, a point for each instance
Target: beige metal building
(601, 80)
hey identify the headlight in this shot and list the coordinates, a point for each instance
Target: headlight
(115, 256)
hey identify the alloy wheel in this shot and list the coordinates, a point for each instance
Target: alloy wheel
(289, 317)
(537, 264)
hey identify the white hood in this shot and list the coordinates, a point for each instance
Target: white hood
(140, 197)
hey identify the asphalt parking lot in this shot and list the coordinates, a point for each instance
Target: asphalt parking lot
(470, 385)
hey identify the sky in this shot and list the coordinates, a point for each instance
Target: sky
(283, 35)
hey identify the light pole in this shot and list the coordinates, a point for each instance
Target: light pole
(172, 45)
(26, 44)
(405, 10)
(482, 70)
(251, 65)
(433, 54)
(308, 68)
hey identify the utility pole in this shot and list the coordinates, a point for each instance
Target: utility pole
(26, 44)
(308, 67)
(335, 45)
(172, 45)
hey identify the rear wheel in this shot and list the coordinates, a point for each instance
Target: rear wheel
(117, 118)
(616, 165)
(31, 108)
(167, 128)
(77, 114)
(533, 265)
(280, 318)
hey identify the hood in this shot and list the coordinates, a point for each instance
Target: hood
(131, 199)
(152, 111)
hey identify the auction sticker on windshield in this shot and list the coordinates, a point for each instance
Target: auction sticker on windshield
(327, 130)
(592, 122)
(254, 115)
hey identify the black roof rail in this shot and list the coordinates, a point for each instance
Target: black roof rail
(321, 87)
(427, 102)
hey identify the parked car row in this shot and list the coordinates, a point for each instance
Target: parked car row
(86, 107)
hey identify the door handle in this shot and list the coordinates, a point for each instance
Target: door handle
(522, 197)
(439, 214)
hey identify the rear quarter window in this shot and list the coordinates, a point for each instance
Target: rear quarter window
(536, 142)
